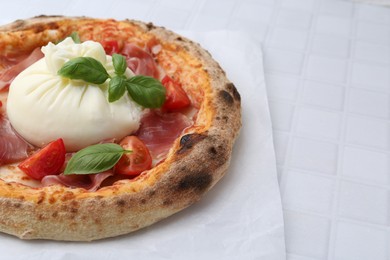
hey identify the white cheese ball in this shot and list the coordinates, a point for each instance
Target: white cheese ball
(43, 106)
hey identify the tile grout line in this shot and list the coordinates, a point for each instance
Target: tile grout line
(304, 76)
(263, 47)
(324, 81)
(343, 178)
(341, 142)
(297, 102)
(267, 35)
(297, 106)
(344, 219)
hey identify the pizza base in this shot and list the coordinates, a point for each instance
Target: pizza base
(195, 163)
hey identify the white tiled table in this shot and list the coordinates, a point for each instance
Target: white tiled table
(328, 78)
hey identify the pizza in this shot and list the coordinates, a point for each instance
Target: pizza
(107, 126)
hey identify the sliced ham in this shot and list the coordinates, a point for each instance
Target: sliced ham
(12, 147)
(89, 182)
(140, 61)
(159, 130)
(8, 74)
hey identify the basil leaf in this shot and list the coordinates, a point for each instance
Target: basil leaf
(146, 91)
(94, 159)
(75, 37)
(84, 68)
(116, 88)
(120, 64)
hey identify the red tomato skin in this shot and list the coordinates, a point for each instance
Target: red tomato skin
(47, 161)
(110, 47)
(175, 97)
(132, 164)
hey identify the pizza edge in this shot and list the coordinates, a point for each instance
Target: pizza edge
(196, 163)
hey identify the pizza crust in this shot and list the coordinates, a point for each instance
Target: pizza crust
(195, 163)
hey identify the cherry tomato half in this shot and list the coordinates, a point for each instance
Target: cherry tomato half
(135, 162)
(175, 97)
(110, 46)
(47, 161)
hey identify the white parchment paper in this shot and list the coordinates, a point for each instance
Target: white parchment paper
(241, 218)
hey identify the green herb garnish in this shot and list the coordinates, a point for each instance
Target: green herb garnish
(75, 37)
(146, 91)
(94, 159)
(116, 88)
(120, 64)
(84, 68)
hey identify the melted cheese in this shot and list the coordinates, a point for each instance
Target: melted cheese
(43, 106)
(11, 173)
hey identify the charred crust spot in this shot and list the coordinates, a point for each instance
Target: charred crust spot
(143, 201)
(196, 181)
(39, 28)
(74, 203)
(186, 48)
(152, 193)
(47, 16)
(17, 205)
(42, 27)
(18, 24)
(179, 39)
(167, 202)
(150, 26)
(74, 210)
(213, 151)
(67, 196)
(55, 214)
(188, 141)
(233, 90)
(226, 97)
(185, 139)
(53, 25)
(41, 197)
(121, 203)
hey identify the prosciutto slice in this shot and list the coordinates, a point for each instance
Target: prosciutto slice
(89, 182)
(140, 61)
(8, 75)
(12, 147)
(159, 130)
